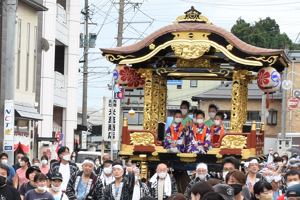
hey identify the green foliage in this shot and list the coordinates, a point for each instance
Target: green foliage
(264, 33)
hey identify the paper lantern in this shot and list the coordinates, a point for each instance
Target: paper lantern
(131, 112)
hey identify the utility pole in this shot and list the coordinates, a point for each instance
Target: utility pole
(85, 68)
(11, 7)
(120, 24)
(283, 107)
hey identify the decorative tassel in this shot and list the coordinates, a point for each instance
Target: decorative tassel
(140, 94)
(128, 100)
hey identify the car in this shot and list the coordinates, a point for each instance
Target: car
(81, 155)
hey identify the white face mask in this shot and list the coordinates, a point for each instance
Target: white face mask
(201, 176)
(200, 121)
(97, 163)
(55, 189)
(194, 120)
(19, 161)
(284, 162)
(73, 155)
(270, 152)
(44, 162)
(67, 157)
(292, 183)
(4, 162)
(183, 111)
(211, 115)
(136, 178)
(36, 164)
(224, 175)
(279, 163)
(42, 188)
(276, 155)
(217, 122)
(178, 120)
(162, 175)
(107, 170)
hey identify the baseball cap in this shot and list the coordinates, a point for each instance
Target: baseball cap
(56, 176)
(226, 191)
(32, 169)
(293, 189)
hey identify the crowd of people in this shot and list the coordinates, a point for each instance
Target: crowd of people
(187, 135)
(278, 178)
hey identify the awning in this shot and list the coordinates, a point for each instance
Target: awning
(25, 110)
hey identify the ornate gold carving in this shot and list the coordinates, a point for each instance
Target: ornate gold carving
(234, 142)
(253, 126)
(197, 63)
(239, 100)
(112, 58)
(125, 122)
(214, 65)
(187, 155)
(162, 99)
(155, 104)
(224, 72)
(147, 73)
(152, 46)
(163, 71)
(144, 170)
(194, 42)
(189, 50)
(192, 15)
(229, 47)
(142, 138)
(271, 60)
(191, 35)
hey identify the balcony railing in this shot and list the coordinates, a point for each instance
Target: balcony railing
(60, 89)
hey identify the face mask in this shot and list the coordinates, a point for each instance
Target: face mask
(224, 175)
(194, 120)
(211, 115)
(162, 175)
(41, 188)
(107, 170)
(276, 155)
(200, 121)
(55, 189)
(19, 161)
(201, 176)
(183, 111)
(73, 155)
(217, 122)
(2, 180)
(284, 162)
(280, 163)
(292, 183)
(36, 164)
(97, 163)
(237, 188)
(22, 164)
(4, 162)
(136, 178)
(66, 157)
(270, 152)
(178, 120)
(44, 162)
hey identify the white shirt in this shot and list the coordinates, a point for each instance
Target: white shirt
(136, 192)
(106, 180)
(160, 189)
(65, 171)
(58, 195)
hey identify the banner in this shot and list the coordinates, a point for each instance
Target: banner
(83, 140)
(9, 121)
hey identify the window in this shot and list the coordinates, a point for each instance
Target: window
(272, 118)
(193, 83)
(253, 116)
(34, 59)
(28, 54)
(19, 53)
(136, 119)
(179, 87)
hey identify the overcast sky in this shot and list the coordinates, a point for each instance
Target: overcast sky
(152, 15)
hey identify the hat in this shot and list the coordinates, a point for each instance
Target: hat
(294, 188)
(32, 169)
(226, 191)
(56, 176)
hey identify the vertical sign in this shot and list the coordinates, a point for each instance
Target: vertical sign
(83, 140)
(111, 130)
(9, 121)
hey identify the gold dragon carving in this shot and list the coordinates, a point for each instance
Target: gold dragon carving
(234, 142)
(142, 138)
(190, 51)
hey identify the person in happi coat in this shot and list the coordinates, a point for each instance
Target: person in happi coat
(122, 187)
(176, 135)
(140, 189)
(217, 129)
(199, 136)
(161, 184)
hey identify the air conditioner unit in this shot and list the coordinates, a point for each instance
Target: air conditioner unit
(296, 92)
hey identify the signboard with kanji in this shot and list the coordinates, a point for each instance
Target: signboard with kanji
(111, 124)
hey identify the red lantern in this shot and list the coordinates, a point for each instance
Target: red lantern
(268, 81)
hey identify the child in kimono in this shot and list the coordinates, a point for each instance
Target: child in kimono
(175, 139)
(217, 129)
(200, 136)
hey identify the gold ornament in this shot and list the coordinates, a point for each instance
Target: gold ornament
(192, 15)
(142, 138)
(189, 50)
(197, 63)
(234, 142)
(112, 58)
(271, 60)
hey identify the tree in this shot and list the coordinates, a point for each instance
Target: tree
(264, 33)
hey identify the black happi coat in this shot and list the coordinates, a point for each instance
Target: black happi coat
(154, 191)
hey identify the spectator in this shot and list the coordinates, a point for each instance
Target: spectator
(97, 169)
(73, 156)
(277, 187)
(199, 189)
(177, 196)
(44, 168)
(65, 167)
(262, 191)
(56, 181)
(41, 191)
(237, 180)
(30, 174)
(293, 192)
(4, 159)
(36, 162)
(212, 196)
(17, 165)
(7, 192)
(20, 176)
(140, 189)
(226, 191)
(106, 157)
(106, 175)
(292, 178)
(253, 176)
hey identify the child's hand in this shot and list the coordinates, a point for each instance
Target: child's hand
(206, 145)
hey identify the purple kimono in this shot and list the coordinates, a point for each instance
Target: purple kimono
(200, 149)
(179, 139)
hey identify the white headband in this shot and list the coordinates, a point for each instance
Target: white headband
(275, 178)
(118, 166)
(253, 161)
(202, 166)
(87, 161)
